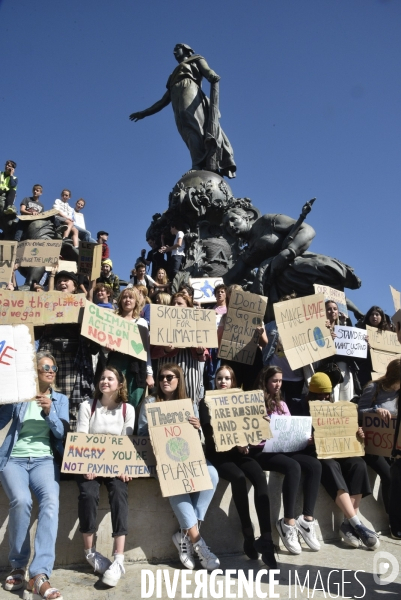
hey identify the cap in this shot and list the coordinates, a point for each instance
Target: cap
(66, 275)
(320, 384)
(101, 233)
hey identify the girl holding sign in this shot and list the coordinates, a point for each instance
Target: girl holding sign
(236, 467)
(27, 464)
(291, 465)
(190, 509)
(110, 414)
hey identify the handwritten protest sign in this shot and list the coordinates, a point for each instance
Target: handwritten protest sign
(302, 327)
(67, 265)
(396, 319)
(182, 327)
(386, 341)
(335, 426)
(103, 326)
(290, 434)
(350, 341)
(46, 214)
(90, 259)
(237, 418)
(18, 373)
(40, 308)
(108, 455)
(396, 298)
(336, 296)
(204, 288)
(38, 253)
(240, 340)
(379, 434)
(7, 260)
(181, 464)
(380, 360)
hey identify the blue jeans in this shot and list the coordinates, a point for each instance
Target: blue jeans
(85, 235)
(41, 475)
(191, 508)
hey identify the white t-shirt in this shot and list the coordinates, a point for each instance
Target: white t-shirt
(180, 251)
(79, 219)
(64, 208)
(109, 422)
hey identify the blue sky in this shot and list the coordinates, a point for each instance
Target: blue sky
(310, 98)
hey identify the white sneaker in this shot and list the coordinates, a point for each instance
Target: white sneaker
(289, 536)
(113, 574)
(207, 559)
(307, 530)
(99, 562)
(185, 549)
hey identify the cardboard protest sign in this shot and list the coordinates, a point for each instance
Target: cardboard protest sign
(40, 308)
(182, 327)
(290, 434)
(108, 455)
(180, 462)
(396, 298)
(350, 341)
(379, 434)
(302, 327)
(103, 326)
(396, 319)
(46, 214)
(204, 288)
(380, 360)
(90, 260)
(67, 265)
(8, 252)
(336, 296)
(386, 341)
(375, 376)
(240, 340)
(18, 374)
(335, 426)
(38, 253)
(237, 418)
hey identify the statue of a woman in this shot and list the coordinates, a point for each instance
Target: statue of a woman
(192, 111)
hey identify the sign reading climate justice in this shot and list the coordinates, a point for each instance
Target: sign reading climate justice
(237, 418)
(182, 327)
(240, 339)
(181, 464)
(103, 326)
(18, 373)
(40, 308)
(108, 455)
(335, 426)
(302, 327)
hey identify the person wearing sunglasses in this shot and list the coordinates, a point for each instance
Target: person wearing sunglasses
(237, 467)
(190, 509)
(28, 463)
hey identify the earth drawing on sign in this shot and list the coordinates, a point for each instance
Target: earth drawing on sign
(177, 449)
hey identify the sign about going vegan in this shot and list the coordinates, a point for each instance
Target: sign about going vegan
(182, 327)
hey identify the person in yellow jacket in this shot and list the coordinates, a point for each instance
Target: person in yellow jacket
(8, 187)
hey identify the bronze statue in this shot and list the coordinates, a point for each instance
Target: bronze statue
(196, 117)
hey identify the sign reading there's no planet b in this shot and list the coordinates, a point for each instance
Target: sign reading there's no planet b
(103, 326)
(180, 462)
(302, 327)
(18, 374)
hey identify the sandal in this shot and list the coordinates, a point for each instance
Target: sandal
(15, 580)
(34, 589)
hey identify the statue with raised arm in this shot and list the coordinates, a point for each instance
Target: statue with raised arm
(196, 117)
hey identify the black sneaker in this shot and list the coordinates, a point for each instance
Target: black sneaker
(368, 538)
(396, 535)
(267, 549)
(249, 548)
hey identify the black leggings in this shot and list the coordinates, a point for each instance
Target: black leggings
(395, 495)
(381, 466)
(237, 468)
(291, 465)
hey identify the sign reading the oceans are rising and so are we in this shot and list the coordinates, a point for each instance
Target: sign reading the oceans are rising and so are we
(106, 328)
(181, 464)
(40, 308)
(108, 455)
(18, 373)
(289, 434)
(350, 341)
(182, 327)
(379, 434)
(240, 339)
(335, 426)
(237, 418)
(302, 327)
